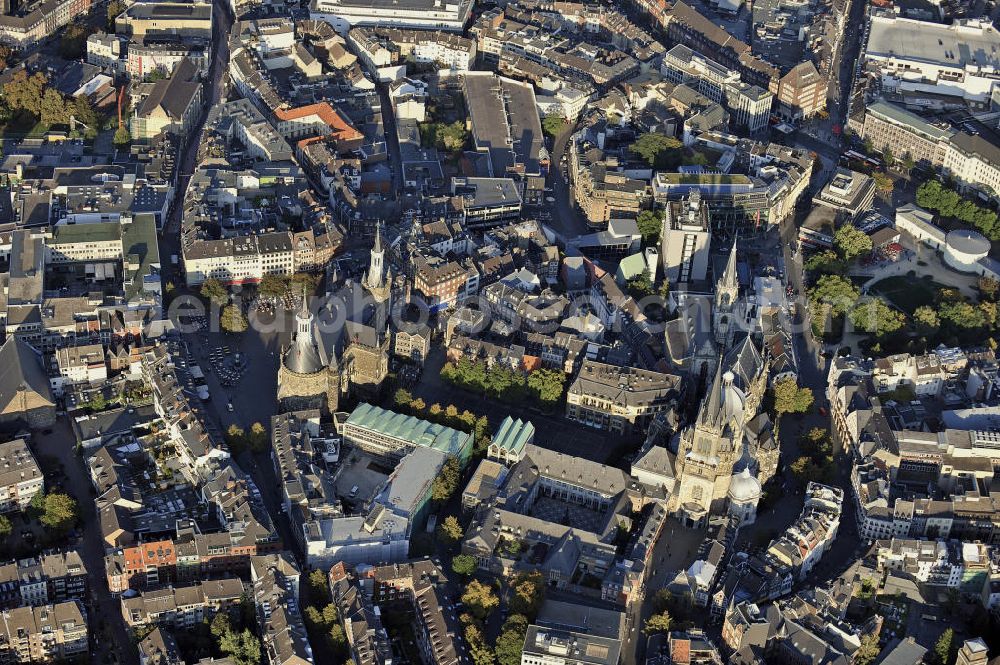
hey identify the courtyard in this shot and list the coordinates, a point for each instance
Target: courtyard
(567, 513)
(906, 293)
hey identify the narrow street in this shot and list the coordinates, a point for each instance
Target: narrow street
(215, 83)
(565, 220)
(391, 138)
(60, 443)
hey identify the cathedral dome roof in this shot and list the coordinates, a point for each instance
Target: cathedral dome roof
(302, 357)
(733, 400)
(744, 487)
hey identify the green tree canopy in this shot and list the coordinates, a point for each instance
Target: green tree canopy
(257, 438)
(53, 108)
(834, 291)
(480, 599)
(659, 150)
(122, 136)
(658, 623)
(402, 397)
(243, 648)
(948, 203)
(927, 319)
(806, 470)
(221, 625)
(115, 8)
(511, 640)
(876, 317)
(907, 162)
(817, 443)
(650, 224)
(73, 44)
(944, 649)
(24, 93)
(554, 125)
(464, 565)
(59, 511)
(989, 288)
(235, 439)
(826, 262)
(273, 286)
(851, 242)
(868, 651)
(446, 483)
(640, 286)
(451, 137)
(478, 649)
(789, 398)
(961, 314)
(527, 592)
(450, 531)
(883, 182)
(212, 289)
(546, 386)
(232, 319)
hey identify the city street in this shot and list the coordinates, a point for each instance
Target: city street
(251, 403)
(169, 241)
(565, 220)
(673, 551)
(60, 443)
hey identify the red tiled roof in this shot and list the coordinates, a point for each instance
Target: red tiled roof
(327, 114)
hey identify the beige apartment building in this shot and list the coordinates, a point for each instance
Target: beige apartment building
(43, 634)
(20, 477)
(801, 92)
(905, 133)
(619, 399)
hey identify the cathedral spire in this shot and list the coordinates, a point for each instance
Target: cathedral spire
(378, 282)
(713, 401)
(304, 308)
(302, 356)
(376, 270)
(730, 279)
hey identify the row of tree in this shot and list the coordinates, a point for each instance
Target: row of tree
(280, 286)
(849, 243)
(239, 440)
(446, 482)
(525, 595)
(837, 297)
(815, 461)
(449, 416)
(951, 318)
(544, 386)
(948, 203)
(323, 624)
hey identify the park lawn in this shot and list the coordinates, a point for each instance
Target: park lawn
(906, 293)
(23, 125)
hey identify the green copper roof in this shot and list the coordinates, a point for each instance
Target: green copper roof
(632, 266)
(410, 429)
(514, 435)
